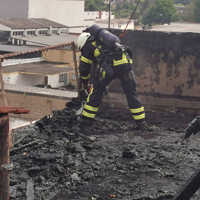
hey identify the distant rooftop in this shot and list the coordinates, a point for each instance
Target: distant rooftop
(44, 68)
(15, 48)
(50, 40)
(33, 42)
(32, 23)
(41, 91)
(178, 27)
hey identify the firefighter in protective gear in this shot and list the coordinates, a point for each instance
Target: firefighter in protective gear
(112, 63)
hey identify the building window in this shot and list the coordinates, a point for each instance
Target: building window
(30, 32)
(73, 77)
(63, 78)
(17, 33)
(44, 32)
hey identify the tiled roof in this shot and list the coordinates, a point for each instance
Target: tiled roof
(32, 23)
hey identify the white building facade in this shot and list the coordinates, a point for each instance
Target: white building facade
(66, 12)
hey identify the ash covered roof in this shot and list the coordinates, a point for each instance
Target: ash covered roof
(108, 160)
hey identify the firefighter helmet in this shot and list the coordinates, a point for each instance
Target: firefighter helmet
(82, 39)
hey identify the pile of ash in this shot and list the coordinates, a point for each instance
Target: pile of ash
(55, 160)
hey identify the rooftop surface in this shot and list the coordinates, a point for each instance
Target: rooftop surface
(44, 68)
(33, 42)
(32, 23)
(107, 160)
(15, 48)
(178, 27)
(50, 40)
(41, 91)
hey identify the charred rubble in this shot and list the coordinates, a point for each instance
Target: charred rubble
(55, 160)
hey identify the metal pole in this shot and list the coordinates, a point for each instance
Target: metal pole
(4, 157)
(109, 11)
(2, 85)
(76, 68)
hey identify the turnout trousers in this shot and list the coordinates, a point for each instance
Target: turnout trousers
(108, 73)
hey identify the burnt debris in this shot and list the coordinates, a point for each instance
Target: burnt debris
(56, 160)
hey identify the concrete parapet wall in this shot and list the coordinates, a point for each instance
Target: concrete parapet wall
(40, 101)
(167, 68)
(39, 105)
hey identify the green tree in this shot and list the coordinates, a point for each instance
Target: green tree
(188, 13)
(95, 5)
(197, 10)
(192, 12)
(163, 11)
(123, 9)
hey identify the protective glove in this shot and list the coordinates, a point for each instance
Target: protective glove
(83, 94)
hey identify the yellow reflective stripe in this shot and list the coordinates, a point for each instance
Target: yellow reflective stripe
(124, 60)
(91, 108)
(138, 117)
(103, 74)
(94, 43)
(131, 61)
(88, 98)
(137, 110)
(85, 77)
(86, 60)
(96, 52)
(86, 114)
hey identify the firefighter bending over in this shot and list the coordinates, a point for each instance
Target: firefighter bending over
(102, 48)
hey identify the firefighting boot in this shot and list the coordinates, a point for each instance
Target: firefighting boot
(85, 122)
(143, 126)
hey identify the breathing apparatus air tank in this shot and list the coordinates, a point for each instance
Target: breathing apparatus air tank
(105, 37)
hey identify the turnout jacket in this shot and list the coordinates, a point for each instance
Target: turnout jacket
(92, 53)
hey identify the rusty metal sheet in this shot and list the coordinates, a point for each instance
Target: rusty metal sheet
(15, 110)
(4, 157)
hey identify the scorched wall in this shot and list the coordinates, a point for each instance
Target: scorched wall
(167, 68)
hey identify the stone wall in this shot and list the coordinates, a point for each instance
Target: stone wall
(167, 68)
